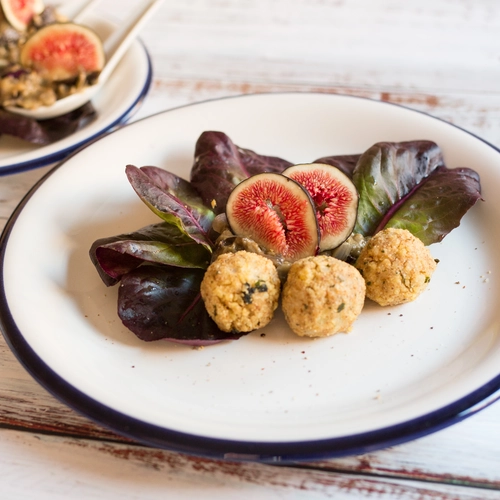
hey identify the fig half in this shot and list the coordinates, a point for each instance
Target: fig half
(63, 51)
(277, 213)
(335, 200)
(19, 13)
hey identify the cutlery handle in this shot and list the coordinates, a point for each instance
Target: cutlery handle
(119, 41)
(84, 9)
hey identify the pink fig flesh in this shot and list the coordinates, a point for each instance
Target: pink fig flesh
(19, 13)
(335, 199)
(62, 51)
(277, 213)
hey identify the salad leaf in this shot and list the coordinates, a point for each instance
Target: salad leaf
(435, 207)
(219, 165)
(404, 185)
(45, 131)
(160, 302)
(160, 243)
(386, 173)
(174, 200)
(345, 163)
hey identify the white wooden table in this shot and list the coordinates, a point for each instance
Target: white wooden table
(438, 56)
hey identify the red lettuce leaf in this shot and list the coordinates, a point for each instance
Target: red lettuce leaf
(44, 132)
(165, 303)
(386, 173)
(219, 165)
(160, 243)
(174, 200)
(435, 207)
(345, 163)
(402, 185)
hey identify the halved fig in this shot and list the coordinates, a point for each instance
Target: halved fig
(277, 213)
(335, 200)
(62, 51)
(19, 13)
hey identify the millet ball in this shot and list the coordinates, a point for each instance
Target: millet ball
(241, 291)
(322, 296)
(396, 267)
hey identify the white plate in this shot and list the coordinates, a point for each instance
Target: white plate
(115, 103)
(402, 372)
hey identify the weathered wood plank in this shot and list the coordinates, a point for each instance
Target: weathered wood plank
(460, 454)
(24, 404)
(478, 113)
(78, 468)
(466, 453)
(437, 56)
(430, 44)
(475, 460)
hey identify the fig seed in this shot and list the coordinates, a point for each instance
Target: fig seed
(62, 51)
(335, 200)
(20, 14)
(277, 213)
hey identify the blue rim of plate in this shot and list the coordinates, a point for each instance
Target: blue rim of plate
(265, 452)
(63, 153)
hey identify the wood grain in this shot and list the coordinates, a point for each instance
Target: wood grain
(437, 56)
(25, 405)
(87, 468)
(430, 44)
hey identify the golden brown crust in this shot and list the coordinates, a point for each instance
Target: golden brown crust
(241, 291)
(396, 266)
(322, 296)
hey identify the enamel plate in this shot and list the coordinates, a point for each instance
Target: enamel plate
(119, 98)
(401, 372)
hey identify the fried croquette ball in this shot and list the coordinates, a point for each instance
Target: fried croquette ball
(322, 296)
(241, 291)
(396, 267)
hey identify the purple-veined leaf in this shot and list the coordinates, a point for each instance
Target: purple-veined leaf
(255, 163)
(386, 173)
(345, 163)
(161, 302)
(45, 131)
(219, 165)
(160, 243)
(173, 184)
(174, 200)
(435, 207)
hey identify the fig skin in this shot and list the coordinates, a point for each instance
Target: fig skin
(63, 51)
(19, 19)
(335, 200)
(277, 213)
